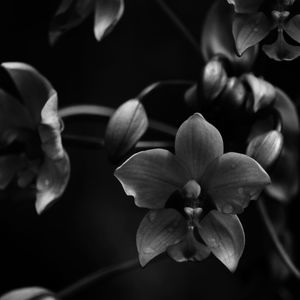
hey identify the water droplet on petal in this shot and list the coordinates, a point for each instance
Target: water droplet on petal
(148, 250)
(228, 209)
(212, 242)
(171, 229)
(152, 216)
(233, 166)
(255, 29)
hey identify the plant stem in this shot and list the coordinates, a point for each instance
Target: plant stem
(104, 111)
(96, 143)
(180, 26)
(280, 249)
(156, 85)
(100, 275)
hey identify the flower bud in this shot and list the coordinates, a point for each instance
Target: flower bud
(125, 128)
(266, 148)
(234, 94)
(263, 93)
(214, 79)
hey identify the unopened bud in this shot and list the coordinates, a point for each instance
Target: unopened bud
(266, 148)
(234, 94)
(263, 93)
(214, 79)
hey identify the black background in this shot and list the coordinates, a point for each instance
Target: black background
(94, 224)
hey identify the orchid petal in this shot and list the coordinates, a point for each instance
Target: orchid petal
(292, 28)
(281, 50)
(232, 180)
(107, 15)
(151, 177)
(224, 235)
(189, 249)
(50, 128)
(249, 30)
(246, 6)
(197, 144)
(158, 230)
(29, 293)
(69, 14)
(51, 181)
(33, 87)
(13, 115)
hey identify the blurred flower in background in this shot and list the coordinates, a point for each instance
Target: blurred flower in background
(31, 150)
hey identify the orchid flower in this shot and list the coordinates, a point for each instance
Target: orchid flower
(31, 146)
(213, 188)
(71, 13)
(255, 19)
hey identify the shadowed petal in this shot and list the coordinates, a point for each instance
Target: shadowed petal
(33, 87)
(224, 235)
(292, 28)
(197, 144)
(281, 50)
(107, 15)
(13, 115)
(151, 177)
(189, 249)
(29, 293)
(158, 230)
(52, 181)
(69, 15)
(234, 179)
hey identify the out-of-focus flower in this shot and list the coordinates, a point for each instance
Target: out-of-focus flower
(72, 13)
(30, 135)
(213, 188)
(255, 19)
(29, 293)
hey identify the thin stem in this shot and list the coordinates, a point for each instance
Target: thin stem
(280, 249)
(156, 85)
(180, 26)
(104, 111)
(97, 276)
(97, 143)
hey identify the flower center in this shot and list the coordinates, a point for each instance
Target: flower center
(191, 192)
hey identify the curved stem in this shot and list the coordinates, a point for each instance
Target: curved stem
(271, 230)
(97, 276)
(97, 143)
(156, 85)
(180, 26)
(104, 111)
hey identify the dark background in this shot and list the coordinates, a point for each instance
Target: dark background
(94, 224)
